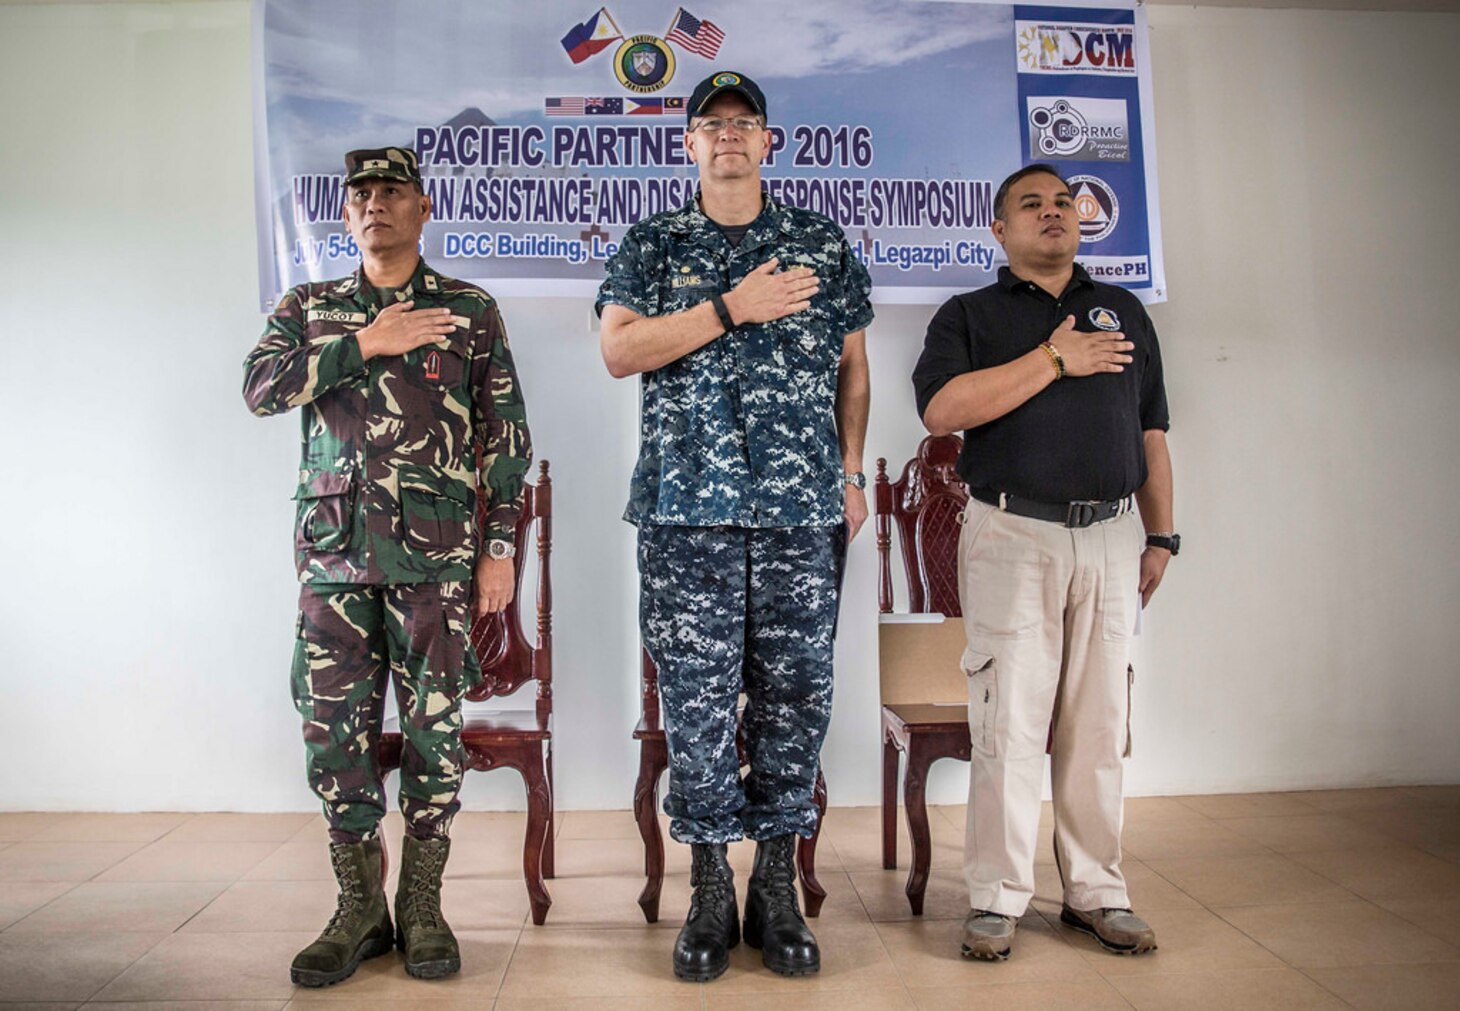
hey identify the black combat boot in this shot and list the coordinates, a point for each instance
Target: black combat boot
(360, 928)
(420, 929)
(773, 915)
(702, 950)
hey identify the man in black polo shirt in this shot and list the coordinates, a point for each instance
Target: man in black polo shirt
(1055, 382)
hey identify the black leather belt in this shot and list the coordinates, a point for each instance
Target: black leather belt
(1068, 514)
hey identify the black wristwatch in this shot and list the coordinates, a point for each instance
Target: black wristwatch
(1171, 542)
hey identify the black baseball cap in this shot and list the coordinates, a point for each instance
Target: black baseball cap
(719, 83)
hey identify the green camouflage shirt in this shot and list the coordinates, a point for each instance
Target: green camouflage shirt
(389, 474)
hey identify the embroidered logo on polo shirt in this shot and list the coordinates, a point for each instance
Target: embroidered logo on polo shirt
(1105, 319)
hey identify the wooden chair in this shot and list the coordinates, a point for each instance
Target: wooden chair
(924, 504)
(520, 739)
(654, 760)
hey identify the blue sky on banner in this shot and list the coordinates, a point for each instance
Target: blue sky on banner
(346, 73)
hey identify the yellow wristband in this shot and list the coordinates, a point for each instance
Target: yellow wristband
(1055, 359)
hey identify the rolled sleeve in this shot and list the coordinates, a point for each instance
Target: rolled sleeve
(628, 278)
(855, 296)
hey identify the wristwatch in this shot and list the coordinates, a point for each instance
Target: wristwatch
(500, 549)
(1171, 542)
(855, 478)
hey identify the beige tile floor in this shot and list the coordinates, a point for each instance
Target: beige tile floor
(1346, 898)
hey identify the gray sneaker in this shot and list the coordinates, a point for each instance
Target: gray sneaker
(1117, 930)
(987, 935)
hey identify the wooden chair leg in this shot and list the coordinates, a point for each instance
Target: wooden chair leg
(549, 846)
(653, 760)
(915, 801)
(812, 894)
(889, 802)
(539, 815)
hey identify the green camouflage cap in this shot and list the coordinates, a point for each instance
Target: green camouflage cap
(398, 163)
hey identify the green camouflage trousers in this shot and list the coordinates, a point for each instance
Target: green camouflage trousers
(351, 641)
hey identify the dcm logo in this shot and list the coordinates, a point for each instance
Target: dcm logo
(1075, 49)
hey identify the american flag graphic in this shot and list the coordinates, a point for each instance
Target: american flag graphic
(700, 37)
(564, 106)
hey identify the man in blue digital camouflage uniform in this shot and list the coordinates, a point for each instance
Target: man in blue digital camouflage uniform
(746, 320)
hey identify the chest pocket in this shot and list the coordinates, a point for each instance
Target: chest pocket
(686, 296)
(435, 510)
(325, 501)
(811, 339)
(435, 366)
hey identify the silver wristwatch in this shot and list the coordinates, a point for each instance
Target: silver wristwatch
(500, 549)
(855, 478)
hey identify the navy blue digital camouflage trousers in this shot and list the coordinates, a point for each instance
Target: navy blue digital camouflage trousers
(731, 609)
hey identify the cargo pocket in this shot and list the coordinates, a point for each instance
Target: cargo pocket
(325, 501)
(435, 666)
(1125, 539)
(1130, 684)
(461, 655)
(983, 700)
(435, 511)
(299, 672)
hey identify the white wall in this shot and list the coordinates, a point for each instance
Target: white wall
(1305, 638)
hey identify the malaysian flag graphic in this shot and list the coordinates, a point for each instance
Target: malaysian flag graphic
(690, 33)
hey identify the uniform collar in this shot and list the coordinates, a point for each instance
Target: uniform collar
(1010, 281)
(424, 280)
(770, 223)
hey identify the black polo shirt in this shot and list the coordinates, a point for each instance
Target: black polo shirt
(1080, 437)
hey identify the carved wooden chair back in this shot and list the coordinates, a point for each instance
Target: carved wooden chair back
(923, 504)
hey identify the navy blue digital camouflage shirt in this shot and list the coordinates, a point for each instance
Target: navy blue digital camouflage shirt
(742, 431)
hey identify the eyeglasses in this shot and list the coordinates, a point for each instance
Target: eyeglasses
(740, 124)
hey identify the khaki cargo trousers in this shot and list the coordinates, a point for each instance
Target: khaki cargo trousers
(1049, 612)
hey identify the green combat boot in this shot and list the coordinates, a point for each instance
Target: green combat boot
(420, 929)
(360, 928)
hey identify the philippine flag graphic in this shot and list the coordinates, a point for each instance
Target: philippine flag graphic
(592, 36)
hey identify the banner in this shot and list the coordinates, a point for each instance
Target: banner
(546, 130)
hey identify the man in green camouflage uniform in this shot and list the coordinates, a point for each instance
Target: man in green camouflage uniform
(746, 319)
(404, 378)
